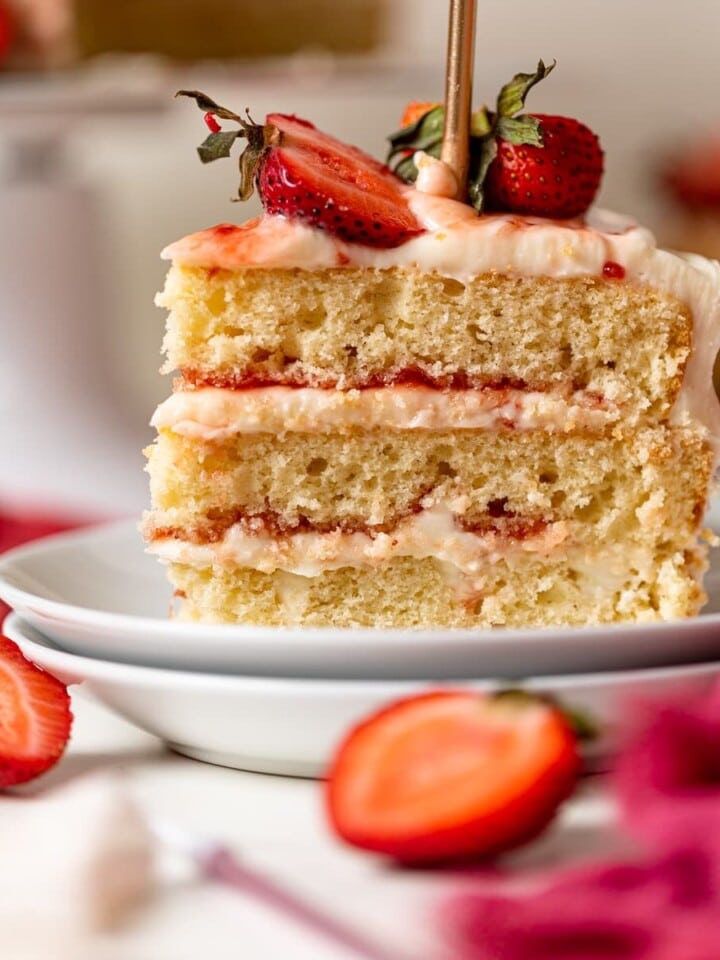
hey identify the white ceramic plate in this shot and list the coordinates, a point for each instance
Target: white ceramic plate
(97, 593)
(277, 725)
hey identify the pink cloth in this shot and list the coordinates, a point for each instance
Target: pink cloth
(20, 528)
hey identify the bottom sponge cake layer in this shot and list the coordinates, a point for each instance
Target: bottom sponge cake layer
(416, 528)
(585, 588)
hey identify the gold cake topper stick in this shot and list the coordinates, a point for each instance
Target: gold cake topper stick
(458, 91)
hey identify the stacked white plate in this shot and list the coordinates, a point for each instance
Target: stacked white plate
(92, 608)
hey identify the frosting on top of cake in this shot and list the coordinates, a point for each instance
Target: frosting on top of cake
(461, 244)
(457, 242)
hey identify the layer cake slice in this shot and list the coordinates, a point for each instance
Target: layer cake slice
(494, 419)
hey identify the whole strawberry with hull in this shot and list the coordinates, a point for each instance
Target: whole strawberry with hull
(532, 164)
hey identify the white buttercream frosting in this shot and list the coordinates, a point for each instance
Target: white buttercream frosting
(213, 414)
(459, 243)
(433, 532)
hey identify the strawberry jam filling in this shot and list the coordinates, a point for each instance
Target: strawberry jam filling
(213, 528)
(194, 378)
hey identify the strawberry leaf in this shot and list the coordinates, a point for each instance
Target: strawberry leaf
(405, 167)
(511, 99)
(480, 160)
(520, 130)
(249, 161)
(481, 123)
(209, 106)
(218, 145)
(421, 135)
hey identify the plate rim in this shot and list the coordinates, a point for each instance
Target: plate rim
(143, 675)
(128, 623)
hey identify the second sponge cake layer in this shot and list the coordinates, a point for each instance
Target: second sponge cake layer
(647, 486)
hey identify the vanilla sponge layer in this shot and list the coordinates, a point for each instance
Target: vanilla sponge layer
(648, 486)
(520, 591)
(351, 327)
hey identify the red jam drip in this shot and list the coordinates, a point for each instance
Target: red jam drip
(613, 271)
(212, 124)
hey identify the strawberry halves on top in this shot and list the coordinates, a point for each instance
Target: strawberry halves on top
(305, 174)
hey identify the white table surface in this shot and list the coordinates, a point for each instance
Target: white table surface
(277, 825)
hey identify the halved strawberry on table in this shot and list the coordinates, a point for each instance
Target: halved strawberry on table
(452, 775)
(35, 717)
(305, 174)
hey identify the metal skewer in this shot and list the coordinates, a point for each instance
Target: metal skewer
(218, 863)
(458, 91)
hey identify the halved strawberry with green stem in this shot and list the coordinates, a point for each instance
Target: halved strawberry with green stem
(35, 717)
(452, 775)
(303, 173)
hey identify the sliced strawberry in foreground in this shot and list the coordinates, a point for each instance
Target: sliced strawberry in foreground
(35, 717)
(452, 775)
(305, 174)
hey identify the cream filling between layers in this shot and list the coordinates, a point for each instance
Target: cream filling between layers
(466, 559)
(214, 414)
(460, 244)
(433, 532)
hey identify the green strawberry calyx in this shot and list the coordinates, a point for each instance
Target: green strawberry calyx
(506, 122)
(219, 143)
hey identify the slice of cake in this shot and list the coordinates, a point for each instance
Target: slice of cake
(393, 410)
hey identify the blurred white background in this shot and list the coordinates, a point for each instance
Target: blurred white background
(643, 74)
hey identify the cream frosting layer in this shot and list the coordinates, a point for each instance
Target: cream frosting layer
(459, 243)
(433, 532)
(213, 414)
